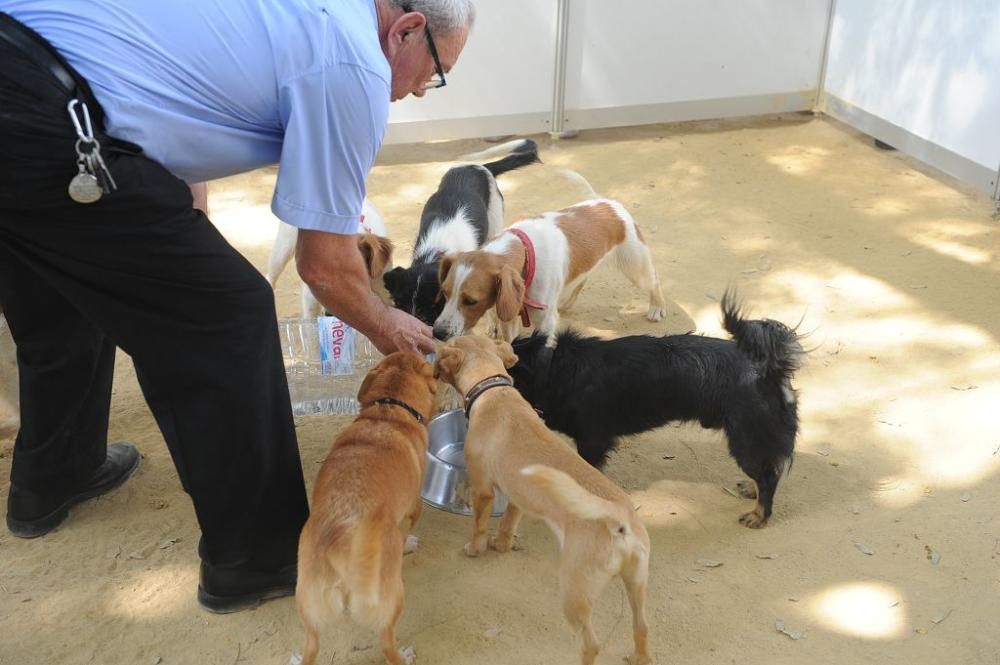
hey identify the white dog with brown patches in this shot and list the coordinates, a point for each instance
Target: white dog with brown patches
(373, 243)
(539, 265)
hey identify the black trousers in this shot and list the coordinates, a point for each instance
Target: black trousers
(140, 270)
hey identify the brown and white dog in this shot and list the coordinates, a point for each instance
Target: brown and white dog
(508, 447)
(539, 265)
(351, 548)
(375, 247)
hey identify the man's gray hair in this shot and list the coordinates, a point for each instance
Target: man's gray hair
(443, 16)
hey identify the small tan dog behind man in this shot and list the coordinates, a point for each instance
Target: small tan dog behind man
(508, 447)
(368, 489)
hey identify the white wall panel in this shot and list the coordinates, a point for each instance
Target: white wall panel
(923, 75)
(652, 54)
(501, 85)
(629, 62)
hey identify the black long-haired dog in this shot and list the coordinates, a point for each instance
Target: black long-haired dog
(464, 212)
(596, 390)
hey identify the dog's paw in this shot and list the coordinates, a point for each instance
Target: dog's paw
(504, 544)
(754, 519)
(473, 550)
(747, 489)
(636, 659)
(410, 544)
(408, 655)
(655, 313)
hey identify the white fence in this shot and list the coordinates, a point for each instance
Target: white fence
(922, 75)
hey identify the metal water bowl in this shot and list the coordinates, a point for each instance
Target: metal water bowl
(446, 482)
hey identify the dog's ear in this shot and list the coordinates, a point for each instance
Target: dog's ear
(506, 353)
(444, 267)
(383, 257)
(510, 293)
(377, 252)
(393, 279)
(449, 360)
(428, 373)
(367, 383)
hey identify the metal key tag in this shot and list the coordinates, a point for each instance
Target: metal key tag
(84, 188)
(94, 179)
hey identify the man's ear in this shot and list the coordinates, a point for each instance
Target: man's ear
(506, 353)
(510, 293)
(406, 26)
(449, 360)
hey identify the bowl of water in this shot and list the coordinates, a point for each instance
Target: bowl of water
(446, 481)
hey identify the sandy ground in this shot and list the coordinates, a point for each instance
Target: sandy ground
(885, 545)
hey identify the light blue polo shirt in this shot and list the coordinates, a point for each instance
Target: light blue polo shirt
(210, 88)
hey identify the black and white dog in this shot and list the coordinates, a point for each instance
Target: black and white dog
(596, 390)
(464, 212)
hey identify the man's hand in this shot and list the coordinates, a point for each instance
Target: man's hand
(403, 332)
(333, 268)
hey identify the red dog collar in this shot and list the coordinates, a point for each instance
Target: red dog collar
(528, 274)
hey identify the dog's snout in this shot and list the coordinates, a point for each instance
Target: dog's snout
(441, 334)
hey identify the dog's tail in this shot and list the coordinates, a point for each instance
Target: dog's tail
(521, 152)
(365, 563)
(499, 150)
(771, 343)
(569, 494)
(575, 177)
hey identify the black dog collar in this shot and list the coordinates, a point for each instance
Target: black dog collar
(392, 401)
(498, 381)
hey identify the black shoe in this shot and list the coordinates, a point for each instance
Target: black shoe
(226, 589)
(30, 514)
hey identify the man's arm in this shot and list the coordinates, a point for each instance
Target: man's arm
(199, 192)
(331, 265)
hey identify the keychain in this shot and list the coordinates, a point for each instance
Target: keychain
(93, 179)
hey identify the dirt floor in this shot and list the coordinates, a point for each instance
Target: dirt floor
(885, 545)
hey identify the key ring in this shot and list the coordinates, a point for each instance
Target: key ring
(93, 178)
(94, 142)
(71, 109)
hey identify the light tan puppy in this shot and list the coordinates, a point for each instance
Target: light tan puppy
(351, 548)
(508, 447)
(538, 266)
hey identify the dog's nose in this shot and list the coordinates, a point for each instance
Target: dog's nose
(441, 334)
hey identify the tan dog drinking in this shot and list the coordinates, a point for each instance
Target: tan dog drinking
(351, 548)
(508, 447)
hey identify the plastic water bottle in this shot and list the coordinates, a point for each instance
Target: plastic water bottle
(325, 362)
(9, 416)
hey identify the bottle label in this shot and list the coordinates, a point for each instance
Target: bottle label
(336, 346)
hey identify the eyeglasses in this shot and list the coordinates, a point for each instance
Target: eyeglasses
(437, 79)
